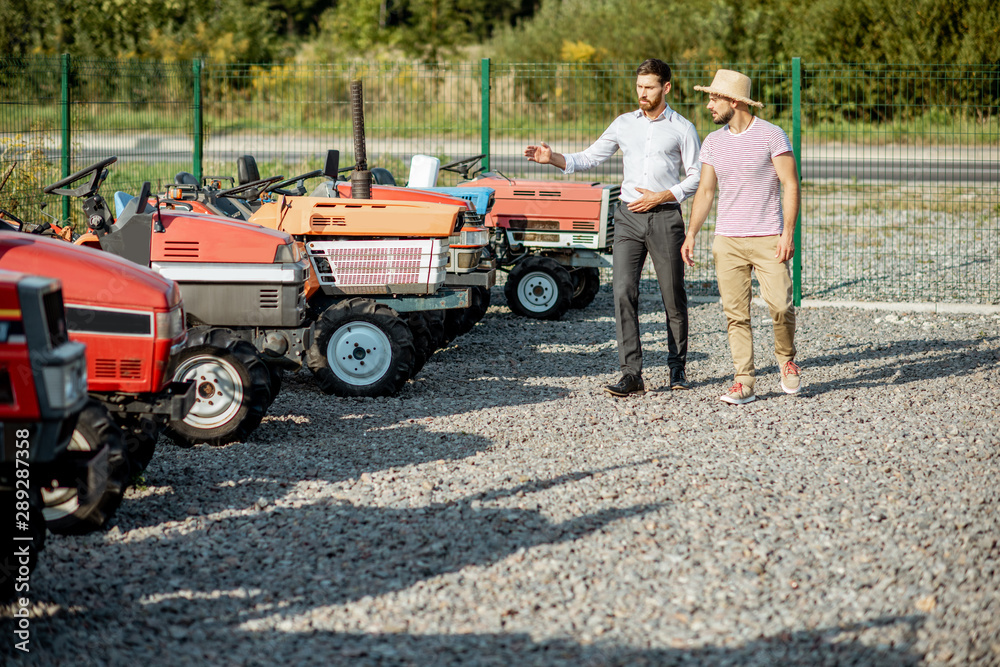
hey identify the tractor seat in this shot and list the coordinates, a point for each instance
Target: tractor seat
(185, 178)
(127, 206)
(122, 200)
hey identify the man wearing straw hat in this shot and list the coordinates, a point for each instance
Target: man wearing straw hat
(751, 162)
(657, 143)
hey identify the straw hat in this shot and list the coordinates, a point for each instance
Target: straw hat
(733, 85)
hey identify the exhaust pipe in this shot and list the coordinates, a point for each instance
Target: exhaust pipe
(361, 178)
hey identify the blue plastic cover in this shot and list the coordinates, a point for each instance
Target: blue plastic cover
(121, 201)
(481, 197)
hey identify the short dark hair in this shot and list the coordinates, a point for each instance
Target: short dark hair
(657, 67)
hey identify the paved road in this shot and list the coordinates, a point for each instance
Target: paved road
(969, 164)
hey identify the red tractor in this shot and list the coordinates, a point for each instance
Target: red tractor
(552, 236)
(43, 404)
(242, 280)
(131, 321)
(468, 265)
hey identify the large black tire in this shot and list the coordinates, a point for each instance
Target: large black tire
(10, 563)
(480, 304)
(361, 348)
(232, 388)
(586, 284)
(94, 430)
(435, 326)
(540, 288)
(140, 434)
(276, 378)
(423, 341)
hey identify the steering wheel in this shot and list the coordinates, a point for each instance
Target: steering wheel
(7, 216)
(463, 166)
(279, 187)
(260, 186)
(97, 169)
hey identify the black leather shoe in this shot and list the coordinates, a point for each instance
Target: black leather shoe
(629, 384)
(678, 379)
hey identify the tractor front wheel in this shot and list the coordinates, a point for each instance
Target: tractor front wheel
(95, 430)
(232, 388)
(361, 348)
(540, 288)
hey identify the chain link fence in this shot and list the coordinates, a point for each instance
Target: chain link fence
(899, 163)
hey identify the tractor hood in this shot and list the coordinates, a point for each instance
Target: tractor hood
(508, 188)
(358, 217)
(201, 237)
(88, 276)
(396, 193)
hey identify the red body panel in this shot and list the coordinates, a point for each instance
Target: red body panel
(563, 206)
(14, 358)
(197, 237)
(101, 283)
(396, 193)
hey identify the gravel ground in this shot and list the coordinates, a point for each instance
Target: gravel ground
(503, 510)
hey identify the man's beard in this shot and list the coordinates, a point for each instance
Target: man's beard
(649, 104)
(724, 118)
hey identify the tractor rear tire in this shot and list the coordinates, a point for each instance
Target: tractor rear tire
(540, 288)
(232, 388)
(361, 348)
(140, 434)
(586, 285)
(10, 563)
(95, 430)
(423, 340)
(276, 377)
(480, 304)
(435, 325)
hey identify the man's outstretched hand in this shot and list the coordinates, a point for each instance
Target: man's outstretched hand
(541, 154)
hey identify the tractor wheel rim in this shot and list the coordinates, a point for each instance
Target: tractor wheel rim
(359, 353)
(63, 501)
(538, 292)
(218, 390)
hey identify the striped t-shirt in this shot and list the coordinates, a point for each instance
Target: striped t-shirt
(749, 189)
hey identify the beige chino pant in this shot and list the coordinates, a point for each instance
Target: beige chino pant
(735, 257)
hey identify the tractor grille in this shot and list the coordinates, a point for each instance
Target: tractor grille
(105, 368)
(321, 223)
(270, 297)
(180, 249)
(126, 369)
(131, 369)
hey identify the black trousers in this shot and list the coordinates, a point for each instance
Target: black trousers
(660, 235)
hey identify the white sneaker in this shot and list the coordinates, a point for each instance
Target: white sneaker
(739, 394)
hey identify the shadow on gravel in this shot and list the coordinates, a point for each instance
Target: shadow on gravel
(285, 561)
(331, 453)
(951, 358)
(807, 647)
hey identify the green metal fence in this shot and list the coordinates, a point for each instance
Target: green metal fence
(899, 162)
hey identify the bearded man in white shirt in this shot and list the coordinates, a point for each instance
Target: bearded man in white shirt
(658, 145)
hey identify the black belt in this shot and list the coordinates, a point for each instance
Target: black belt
(671, 206)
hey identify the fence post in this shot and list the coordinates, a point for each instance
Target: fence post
(485, 129)
(797, 148)
(64, 108)
(196, 104)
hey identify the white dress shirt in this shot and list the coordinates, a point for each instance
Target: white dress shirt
(653, 152)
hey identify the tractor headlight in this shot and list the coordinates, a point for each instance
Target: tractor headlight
(66, 384)
(288, 253)
(475, 236)
(170, 325)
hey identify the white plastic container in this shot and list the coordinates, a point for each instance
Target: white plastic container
(423, 171)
